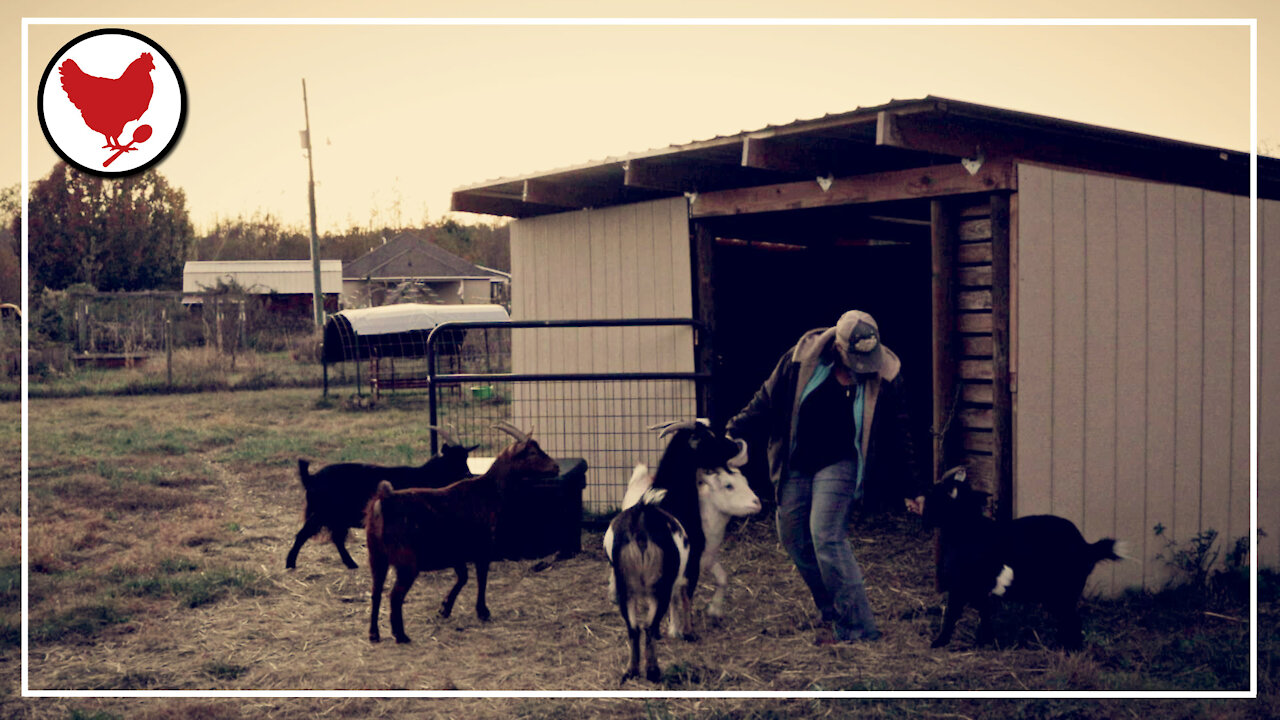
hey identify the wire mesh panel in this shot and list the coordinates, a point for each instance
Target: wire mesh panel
(601, 417)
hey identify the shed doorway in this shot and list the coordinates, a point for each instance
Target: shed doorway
(776, 278)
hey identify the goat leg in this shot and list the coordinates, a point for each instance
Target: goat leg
(377, 566)
(339, 537)
(482, 580)
(955, 606)
(446, 608)
(309, 528)
(1070, 633)
(404, 580)
(715, 609)
(633, 669)
(986, 629)
(652, 672)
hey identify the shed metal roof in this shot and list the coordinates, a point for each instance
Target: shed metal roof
(898, 135)
(262, 276)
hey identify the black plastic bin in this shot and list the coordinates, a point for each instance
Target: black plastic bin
(545, 517)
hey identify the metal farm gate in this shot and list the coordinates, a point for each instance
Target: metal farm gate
(602, 417)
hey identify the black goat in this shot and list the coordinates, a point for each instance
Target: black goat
(649, 551)
(436, 528)
(1039, 559)
(337, 494)
(694, 451)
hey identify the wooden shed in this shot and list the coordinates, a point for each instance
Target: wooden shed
(1071, 302)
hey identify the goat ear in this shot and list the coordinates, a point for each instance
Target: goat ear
(958, 472)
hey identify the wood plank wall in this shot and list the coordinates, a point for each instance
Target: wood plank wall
(629, 261)
(1132, 401)
(975, 367)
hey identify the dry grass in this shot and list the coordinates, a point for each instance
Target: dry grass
(160, 524)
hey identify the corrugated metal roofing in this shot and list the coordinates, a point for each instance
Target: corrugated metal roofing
(861, 142)
(417, 316)
(261, 277)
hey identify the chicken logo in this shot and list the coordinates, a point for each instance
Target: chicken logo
(112, 102)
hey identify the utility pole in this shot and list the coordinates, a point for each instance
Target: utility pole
(317, 297)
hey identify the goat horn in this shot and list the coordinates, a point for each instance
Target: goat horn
(448, 438)
(512, 430)
(740, 459)
(673, 426)
(958, 471)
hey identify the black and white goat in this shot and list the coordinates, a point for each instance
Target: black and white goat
(648, 551)
(704, 487)
(436, 528)
(336, 495)
(1038, 558)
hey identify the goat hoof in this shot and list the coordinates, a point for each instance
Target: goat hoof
(483, 615)
(939, 642)
(690, 637)
(446, 611)
(653, 675)
(403, 639)
(374, 638)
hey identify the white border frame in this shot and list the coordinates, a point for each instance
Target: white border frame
(1251, 23)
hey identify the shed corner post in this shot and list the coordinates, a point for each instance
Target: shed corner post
(1001, 323)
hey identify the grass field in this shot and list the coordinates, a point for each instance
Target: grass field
(159, 525)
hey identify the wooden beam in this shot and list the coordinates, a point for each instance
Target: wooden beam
(508, 206)
(805, 157)
(875, 187)
(570, 197)
(912, 132)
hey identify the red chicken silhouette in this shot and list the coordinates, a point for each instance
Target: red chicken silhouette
(108, 104)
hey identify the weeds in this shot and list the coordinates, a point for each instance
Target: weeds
(78, 624)
(193, 587)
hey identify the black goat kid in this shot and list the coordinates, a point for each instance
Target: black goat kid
(1038, 559)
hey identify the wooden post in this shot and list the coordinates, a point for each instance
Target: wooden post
(1002, 400)
(943, 228)
(942, 267)
(168, 346)
(702, 257)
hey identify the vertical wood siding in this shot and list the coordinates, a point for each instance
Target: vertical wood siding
(623, 262)
(1132, 402)
(1268, 380)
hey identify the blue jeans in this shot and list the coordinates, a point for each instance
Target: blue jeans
(813, 525)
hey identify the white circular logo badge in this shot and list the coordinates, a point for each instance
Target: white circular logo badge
(112, 102)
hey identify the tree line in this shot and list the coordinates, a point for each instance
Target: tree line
(135, 233)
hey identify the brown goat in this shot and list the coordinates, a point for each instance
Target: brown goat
(433, 529)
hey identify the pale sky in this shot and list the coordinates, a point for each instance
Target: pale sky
(402, 115)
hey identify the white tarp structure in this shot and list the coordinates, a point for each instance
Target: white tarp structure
(417, 316)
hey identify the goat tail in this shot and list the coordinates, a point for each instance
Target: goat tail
(304, 472)
(1109, 549)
